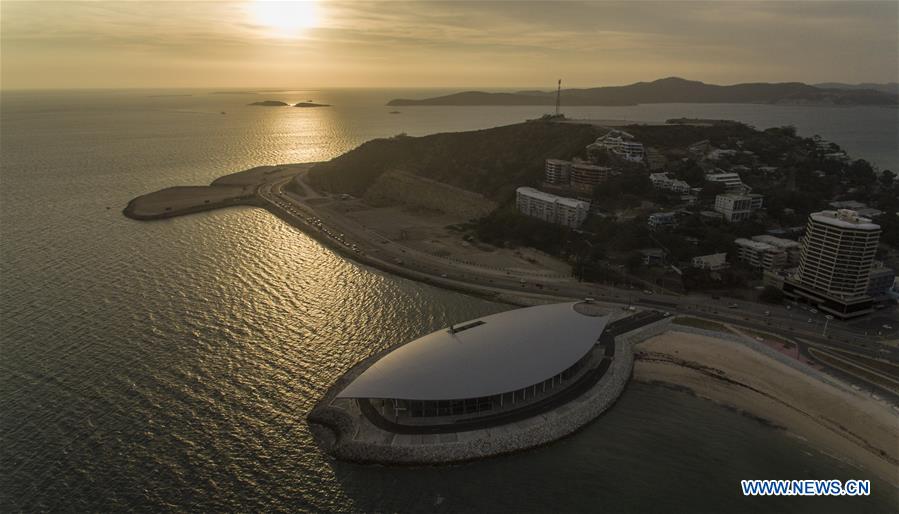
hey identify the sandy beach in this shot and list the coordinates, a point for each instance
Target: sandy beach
(828, 415)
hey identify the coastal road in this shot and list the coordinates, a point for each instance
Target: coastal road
(374, 249)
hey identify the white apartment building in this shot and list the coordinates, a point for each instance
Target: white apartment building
(711, 262)
(760, 255)
(622, 144)
(551, 208)
(738, 207)
(556, 171)
(835, 263)
(732, 182)
(663, 181)
(790, 248)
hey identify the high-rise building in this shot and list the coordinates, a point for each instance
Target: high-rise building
(551, 208)
(556, 171)
(835, 263)
(585, 177)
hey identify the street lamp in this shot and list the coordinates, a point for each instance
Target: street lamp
(827, 319)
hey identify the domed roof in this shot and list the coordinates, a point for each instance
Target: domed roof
(491, 355)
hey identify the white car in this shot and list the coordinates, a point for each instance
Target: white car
(888, 327)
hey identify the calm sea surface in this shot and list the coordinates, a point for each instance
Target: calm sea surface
(170, 365)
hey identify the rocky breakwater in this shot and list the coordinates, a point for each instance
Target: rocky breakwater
(344, 431)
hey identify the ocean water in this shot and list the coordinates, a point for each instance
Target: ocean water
(170, 365)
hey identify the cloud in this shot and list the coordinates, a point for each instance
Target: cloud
(456, 43)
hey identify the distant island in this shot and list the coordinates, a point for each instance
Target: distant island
(886, 87)
(310, 104)
(270, 103)
(672, 90)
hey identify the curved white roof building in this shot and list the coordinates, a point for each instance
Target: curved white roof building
(484, 360)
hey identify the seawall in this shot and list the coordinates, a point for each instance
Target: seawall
(346, 434)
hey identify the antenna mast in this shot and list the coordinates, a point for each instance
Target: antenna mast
(558, 96)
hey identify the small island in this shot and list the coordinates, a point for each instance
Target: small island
(310, 104)
(270, 103)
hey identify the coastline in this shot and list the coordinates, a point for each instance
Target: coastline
(818, 409)
(806, 403)
(344, 431)
(239, 188)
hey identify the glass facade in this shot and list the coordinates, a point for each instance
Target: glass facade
(411, 410)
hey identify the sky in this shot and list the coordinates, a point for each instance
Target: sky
(174, 44)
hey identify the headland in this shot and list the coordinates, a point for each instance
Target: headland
(414, 239)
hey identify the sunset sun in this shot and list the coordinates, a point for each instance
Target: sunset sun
(284, 18)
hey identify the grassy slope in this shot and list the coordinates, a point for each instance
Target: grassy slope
(492, 162)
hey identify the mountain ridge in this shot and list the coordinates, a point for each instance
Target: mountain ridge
(670, 90)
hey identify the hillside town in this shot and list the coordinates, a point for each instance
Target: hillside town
(704, 226)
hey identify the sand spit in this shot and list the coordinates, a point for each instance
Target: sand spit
(824, 411)
(234, 189)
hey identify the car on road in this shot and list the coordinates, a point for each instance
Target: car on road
(732, 306)
(647, 291)
(888, 327)
(767, 313)
(813, 311)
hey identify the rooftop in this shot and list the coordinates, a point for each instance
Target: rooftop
(504, 352)
(844, 218)
(755, 245)
(547, 197)
(776, 241)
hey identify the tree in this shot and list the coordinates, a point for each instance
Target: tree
(634, 261)
(861, 173)
(691, 173)
(710, 190)
(771, 295)
(887, 178)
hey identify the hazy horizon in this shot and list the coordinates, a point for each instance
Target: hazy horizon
(417, 45)
(550, 86)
